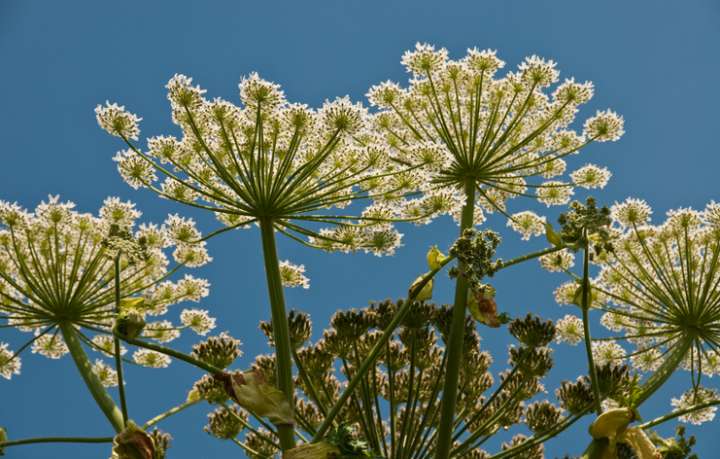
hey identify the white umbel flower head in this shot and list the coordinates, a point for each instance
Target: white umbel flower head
(293, 275)
(105, 373)
(151, 359)
(607, 352)
(198, 320)
(557, 261)
(591, 176)
(77, 251)
(117, 121)
(569, 329)
(270, 162)
(10, 364)
(694, 397)
(501, 135)
(660, 285)
(528, 224)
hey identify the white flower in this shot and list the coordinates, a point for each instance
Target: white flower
(569, 329)
(50, 346)
(106, 374)
(198, 320)
(134, 169)
(647, 359)
(591, 176)
(117, 121)
(604, 126)
(528, 224)
(554, 193)
(293, 275)
(120, 213)
(162, 331)
(605, 352)
(557, 261)
(152, 359)
(106, 345)
(631, 212)
(255, 91)
(9, 366)
(424, 59)
(697, 397)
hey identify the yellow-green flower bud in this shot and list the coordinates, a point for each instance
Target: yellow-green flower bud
(435, 258)
(425, 293)
(3, 439)
(320, 450)
(552, 236)
(132, 304)
(129, 324)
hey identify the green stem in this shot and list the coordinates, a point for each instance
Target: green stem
(102, 398)
(281, 330)
(678, 413)
(172, 411)
(455, 341)
(29, 441)
(377, 349)
(173, 353)
(116, 345)
(586, 328)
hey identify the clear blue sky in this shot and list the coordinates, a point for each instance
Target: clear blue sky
(655, 62)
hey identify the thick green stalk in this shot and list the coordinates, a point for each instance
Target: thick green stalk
(597, 403)
(455, 341)
(281, 330)
(102, 398)
(116, 345)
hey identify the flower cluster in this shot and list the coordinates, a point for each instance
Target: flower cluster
(57, 267)
(267, 160)
(467, 129)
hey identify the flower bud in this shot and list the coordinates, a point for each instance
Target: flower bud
(425, 292)
(612, 423)
(133, 443)
(250, 391)
(3, 439)
(129, 324)
(435, 258)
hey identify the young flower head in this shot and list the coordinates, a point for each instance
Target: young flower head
(57, 267)
(267, 160)
(503, 136)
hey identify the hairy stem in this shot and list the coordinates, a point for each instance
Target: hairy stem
(102, 398)
(172, 411)
(455, 341)
(281, 330)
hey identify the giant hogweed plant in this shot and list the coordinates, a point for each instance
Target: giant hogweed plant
(396, 379)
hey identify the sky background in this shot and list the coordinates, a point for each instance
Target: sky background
(655, 62)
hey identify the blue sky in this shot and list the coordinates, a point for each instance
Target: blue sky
(655, 62)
